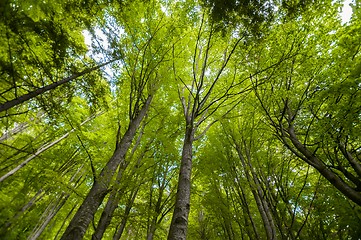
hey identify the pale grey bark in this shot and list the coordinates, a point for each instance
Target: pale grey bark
(40, 151)
(48, 215)
(38, 196)
(179, 224)
(258, 194)
(120, 229)
(17, 129)
(54, 207)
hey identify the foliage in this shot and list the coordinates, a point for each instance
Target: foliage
(270, 101)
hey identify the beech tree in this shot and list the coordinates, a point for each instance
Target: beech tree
(179, 120)
(330, 150)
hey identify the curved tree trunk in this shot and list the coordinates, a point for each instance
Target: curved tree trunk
(310, 158)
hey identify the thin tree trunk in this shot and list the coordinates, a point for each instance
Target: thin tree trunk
(41, 150)
(81, 220)
(270, 228)
(51, 211)
(37, 153)
(115, 194)
(12, 103)
(110, 207)
(118, 233)
(151, 232)
(39, 195)
(158, 210)
(258, 196)
(48, 215)
(179, 224)
(64, 220)
(153, 225)
(21, 127)
(246, 211)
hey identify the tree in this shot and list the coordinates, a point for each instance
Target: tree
(141, 70)
(42, 51)
(304, 114)
(179, 119)
(201, 101)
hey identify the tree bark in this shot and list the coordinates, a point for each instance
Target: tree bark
(6, 226)
(246, 211)
(258, 195)
(118, 233)
(179, 224)
(40, 150)
(64, 220)
(115, 194)
(54, 208)
(157, 212)
(151, 232)
(82, 218)
(37, 153)
(48, 215)
(21, 127)
(333, 178)
(12, 103)
(109, 209)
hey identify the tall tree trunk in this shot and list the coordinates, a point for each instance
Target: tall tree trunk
(270, 225)
(258, 195)
(82, 218)
(116, 194)
(179, 224)
(157, 212)
(12, 103)
(246, 211)
(151, 231)
(110, 207)
(118, 233)
(38, 196)
(64, 221)
(54, 208)
(40, 151)
(48, 215)
(19, 128)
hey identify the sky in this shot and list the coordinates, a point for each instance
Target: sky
(346, 11)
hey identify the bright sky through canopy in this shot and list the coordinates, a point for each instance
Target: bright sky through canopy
(346, 11)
